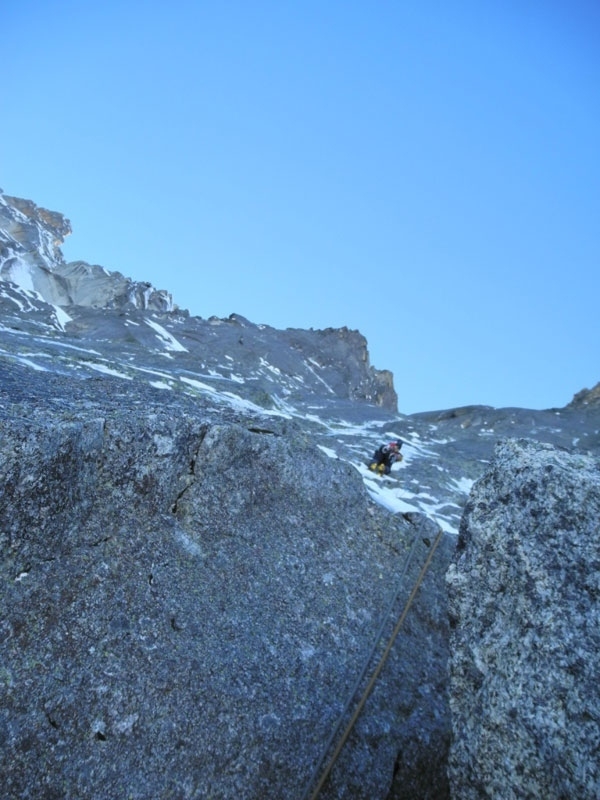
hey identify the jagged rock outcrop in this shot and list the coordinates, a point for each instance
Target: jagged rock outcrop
(586, 397)
(30, 256)
(81, 284)
(188, 598)
(31, 231)
(343, 353)
(96, 303)
(525, 673)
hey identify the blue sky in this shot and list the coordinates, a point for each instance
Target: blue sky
(428, 173)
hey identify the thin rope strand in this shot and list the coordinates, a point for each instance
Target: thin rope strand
(367, 661)
(380, 666)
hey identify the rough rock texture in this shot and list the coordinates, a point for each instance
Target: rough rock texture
(524, 592)
(188, 598)
(191, 587)
(336, 359)
(30, 256)
(89, 285)
(346, 351)
(586, 397)
(36, 229)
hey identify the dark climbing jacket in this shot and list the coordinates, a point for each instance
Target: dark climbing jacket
(384, 457)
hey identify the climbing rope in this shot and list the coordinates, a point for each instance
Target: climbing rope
(376, 673)
(367, 661)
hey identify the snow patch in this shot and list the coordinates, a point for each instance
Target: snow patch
(203, 387)
(169, 341)
(28, 363)
(328, 451)
(61, 317)
(270, 367)
(319, 378)
(107, 370)
(463, 484)
(19, 272)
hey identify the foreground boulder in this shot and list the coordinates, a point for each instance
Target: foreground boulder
(188, 597)
(524, 591)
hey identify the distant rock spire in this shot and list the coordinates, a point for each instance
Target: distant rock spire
(30, 256)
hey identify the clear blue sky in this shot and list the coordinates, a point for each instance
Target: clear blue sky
(426, 172)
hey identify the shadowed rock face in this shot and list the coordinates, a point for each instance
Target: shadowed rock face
(188, 598)
(524, 591)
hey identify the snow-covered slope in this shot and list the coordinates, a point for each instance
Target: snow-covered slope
(86, 322)
(443, 453)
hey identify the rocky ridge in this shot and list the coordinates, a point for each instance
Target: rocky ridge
(323, 379)
(30, 256)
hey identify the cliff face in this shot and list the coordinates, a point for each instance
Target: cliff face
(194, 570)
(34, 231)
(189, 597)
(524, 590)
(30, 258)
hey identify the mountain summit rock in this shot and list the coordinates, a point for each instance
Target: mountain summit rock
(30, 257)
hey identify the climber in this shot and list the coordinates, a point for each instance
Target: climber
(385, 456)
